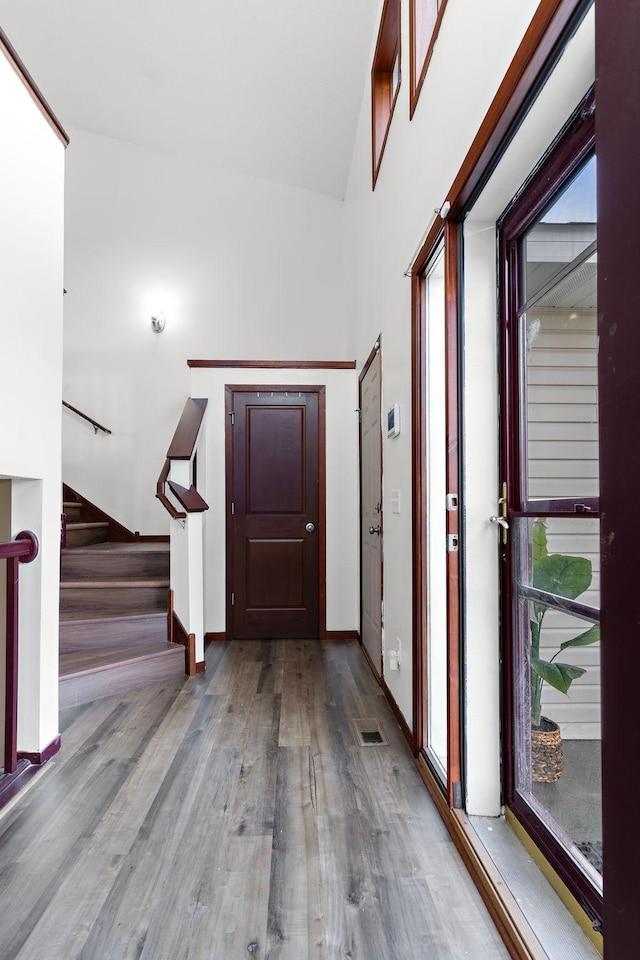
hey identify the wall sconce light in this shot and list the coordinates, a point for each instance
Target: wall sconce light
(158, 322)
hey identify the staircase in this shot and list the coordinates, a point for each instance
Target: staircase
(113, 609)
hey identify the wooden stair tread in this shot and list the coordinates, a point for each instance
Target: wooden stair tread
(143, 547)
(87, 525)
(110, 584)
(84, 663)
(79, 617)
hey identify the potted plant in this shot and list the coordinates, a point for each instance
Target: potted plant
(564, 576)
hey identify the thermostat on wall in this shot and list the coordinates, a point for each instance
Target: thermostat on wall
(393, 421)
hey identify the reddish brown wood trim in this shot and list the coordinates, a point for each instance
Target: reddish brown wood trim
(545, 30)
(377, 347)
(118, 533)
(454, 771)
(186, 434)
(200, 666)
(228, 460)
(416, 87)
(12, 783)
(617, 91)
(9, 51)
(218, 637)
(23, 549)
(190, 499)
(94, 423)
(41, 756)
(513, 927)
(397, 712)
(383, 99)
(170, 609)
(342, 635)
(152, 538)
(322, 512)
(376, 350)
(274, 364)
(161, 495)
(418, 430)
(188, 641)
(190, 656)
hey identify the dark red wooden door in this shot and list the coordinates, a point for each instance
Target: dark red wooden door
(275, 513)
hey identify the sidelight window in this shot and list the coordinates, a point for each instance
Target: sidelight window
(552, 548)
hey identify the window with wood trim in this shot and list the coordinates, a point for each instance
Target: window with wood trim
(425, 17)
(385, 80)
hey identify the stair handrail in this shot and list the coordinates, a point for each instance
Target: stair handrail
(23, 549)
(94, 423)
(161, 487)
(182, 447)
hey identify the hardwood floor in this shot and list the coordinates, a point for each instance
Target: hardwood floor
(235, 815)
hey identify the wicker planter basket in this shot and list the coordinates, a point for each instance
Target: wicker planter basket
(546, 752)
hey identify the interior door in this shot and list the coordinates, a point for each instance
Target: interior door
(371, 509)
(274, 512)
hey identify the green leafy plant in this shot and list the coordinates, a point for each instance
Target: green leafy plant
(565, 577)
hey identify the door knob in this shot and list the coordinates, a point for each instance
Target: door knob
(375, 530)
(310, 527)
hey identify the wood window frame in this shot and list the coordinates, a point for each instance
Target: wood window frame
(418, 66)
(448, 233)
(383, 94)
(560, 163)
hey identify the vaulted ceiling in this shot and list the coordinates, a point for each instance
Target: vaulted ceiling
(270, 88)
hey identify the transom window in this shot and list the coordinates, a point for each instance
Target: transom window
(425, 17)
(385, 80)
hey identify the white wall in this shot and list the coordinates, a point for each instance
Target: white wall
(342, 534)
(242, 268)
(31, 277)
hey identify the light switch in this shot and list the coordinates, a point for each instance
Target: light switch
(395, 501)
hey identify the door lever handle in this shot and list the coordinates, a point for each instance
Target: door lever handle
(503, 523)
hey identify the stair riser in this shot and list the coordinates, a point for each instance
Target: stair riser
(106, 634)
(119, 678)
(113, 600)
(83, 538)
(114, 566)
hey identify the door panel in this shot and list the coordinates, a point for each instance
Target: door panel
(275, 494)
(371, 511)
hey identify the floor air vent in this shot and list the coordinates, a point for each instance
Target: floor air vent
(368, 732)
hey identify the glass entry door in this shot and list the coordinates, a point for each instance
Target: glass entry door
(549, 516)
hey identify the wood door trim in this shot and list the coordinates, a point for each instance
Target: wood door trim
(274, 364)
(452, 234)
(319, 389)
(377, 347)
(449, 234)
(376, 351)
(418, 427)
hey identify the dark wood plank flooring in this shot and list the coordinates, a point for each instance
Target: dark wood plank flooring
(235, 815)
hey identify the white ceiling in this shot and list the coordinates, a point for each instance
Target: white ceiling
(271, 88)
